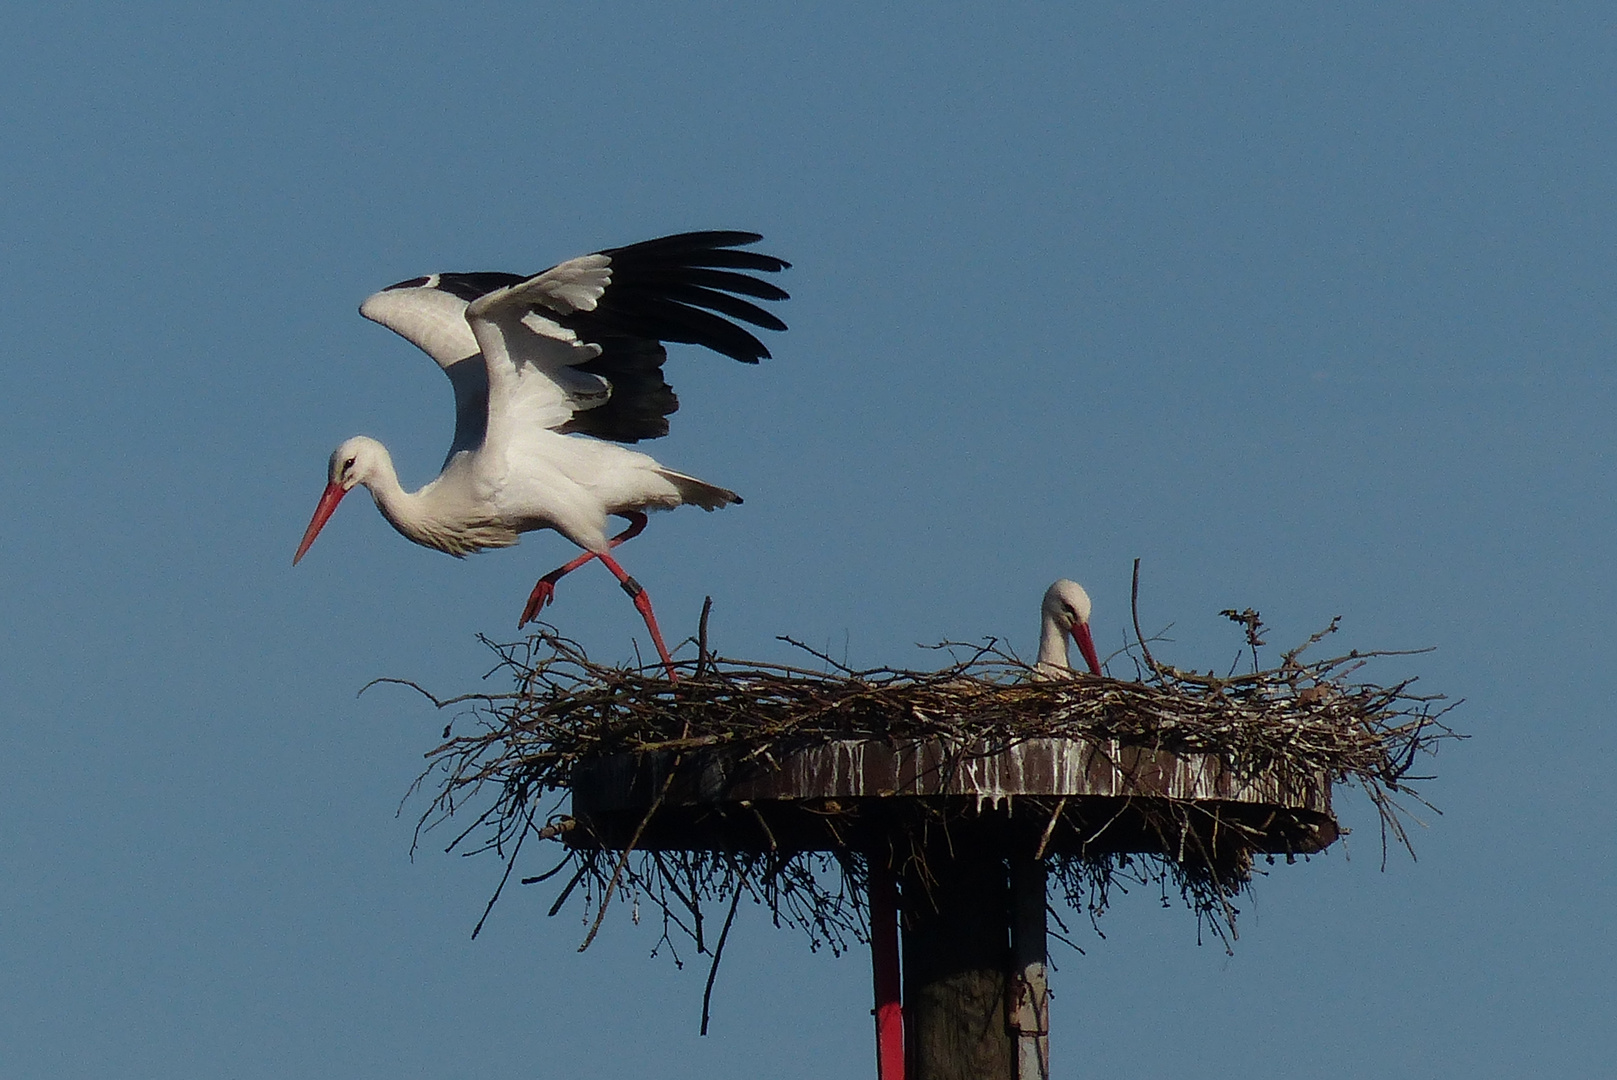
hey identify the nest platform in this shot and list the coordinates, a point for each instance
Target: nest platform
(787, 785)
(1042, 795)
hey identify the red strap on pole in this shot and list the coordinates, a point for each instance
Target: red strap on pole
(884, 968)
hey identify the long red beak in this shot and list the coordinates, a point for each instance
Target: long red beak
(322, 513)
(1086, 645)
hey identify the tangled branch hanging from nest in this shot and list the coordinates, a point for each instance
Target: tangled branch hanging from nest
(512, 772)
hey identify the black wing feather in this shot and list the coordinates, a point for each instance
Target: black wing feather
(669, 289)
(641, 399)
(742, 260)
(697, 297)
(723, 280)
(697, 249)
(650, 316)
(690, 241)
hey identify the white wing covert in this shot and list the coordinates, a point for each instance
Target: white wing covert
(530, 356)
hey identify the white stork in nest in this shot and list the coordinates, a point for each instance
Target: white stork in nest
(552, 373)
(1065, 612)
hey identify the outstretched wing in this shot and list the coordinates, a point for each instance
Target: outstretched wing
(600, 321)
(578, 348)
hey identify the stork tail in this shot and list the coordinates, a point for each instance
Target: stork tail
(696, 492)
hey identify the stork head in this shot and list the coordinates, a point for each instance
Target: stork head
(354, 462)
(1067, 607)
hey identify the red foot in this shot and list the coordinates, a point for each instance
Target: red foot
(542, 594)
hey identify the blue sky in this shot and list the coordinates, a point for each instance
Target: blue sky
(1309, 309)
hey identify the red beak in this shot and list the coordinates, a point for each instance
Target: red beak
(1086, 645)
(322, 513)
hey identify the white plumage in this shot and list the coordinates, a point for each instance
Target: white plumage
(1065, 612)
(552, 373)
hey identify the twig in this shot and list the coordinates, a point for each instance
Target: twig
(1134, 608)
(1050, 828)
(704, 659)
(718, 951)
(510, 865)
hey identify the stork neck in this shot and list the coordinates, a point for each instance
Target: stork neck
(442, 515)
(400, 507)
(1052, 646)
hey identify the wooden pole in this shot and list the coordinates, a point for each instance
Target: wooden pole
(956, 954)
(885, 971)
(1030, 987)
(974, 996)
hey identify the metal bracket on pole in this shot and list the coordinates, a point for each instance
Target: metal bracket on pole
(885, 970)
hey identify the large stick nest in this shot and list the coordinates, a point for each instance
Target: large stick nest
(506, 774)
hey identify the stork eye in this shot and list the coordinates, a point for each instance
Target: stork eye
(349, 464)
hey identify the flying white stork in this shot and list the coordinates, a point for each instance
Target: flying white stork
(1065, 611)
(551, 373)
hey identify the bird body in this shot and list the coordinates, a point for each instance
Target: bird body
(1065, 611)
(552, 373)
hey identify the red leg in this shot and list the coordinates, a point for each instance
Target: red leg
(546, 589)
(642, 603)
